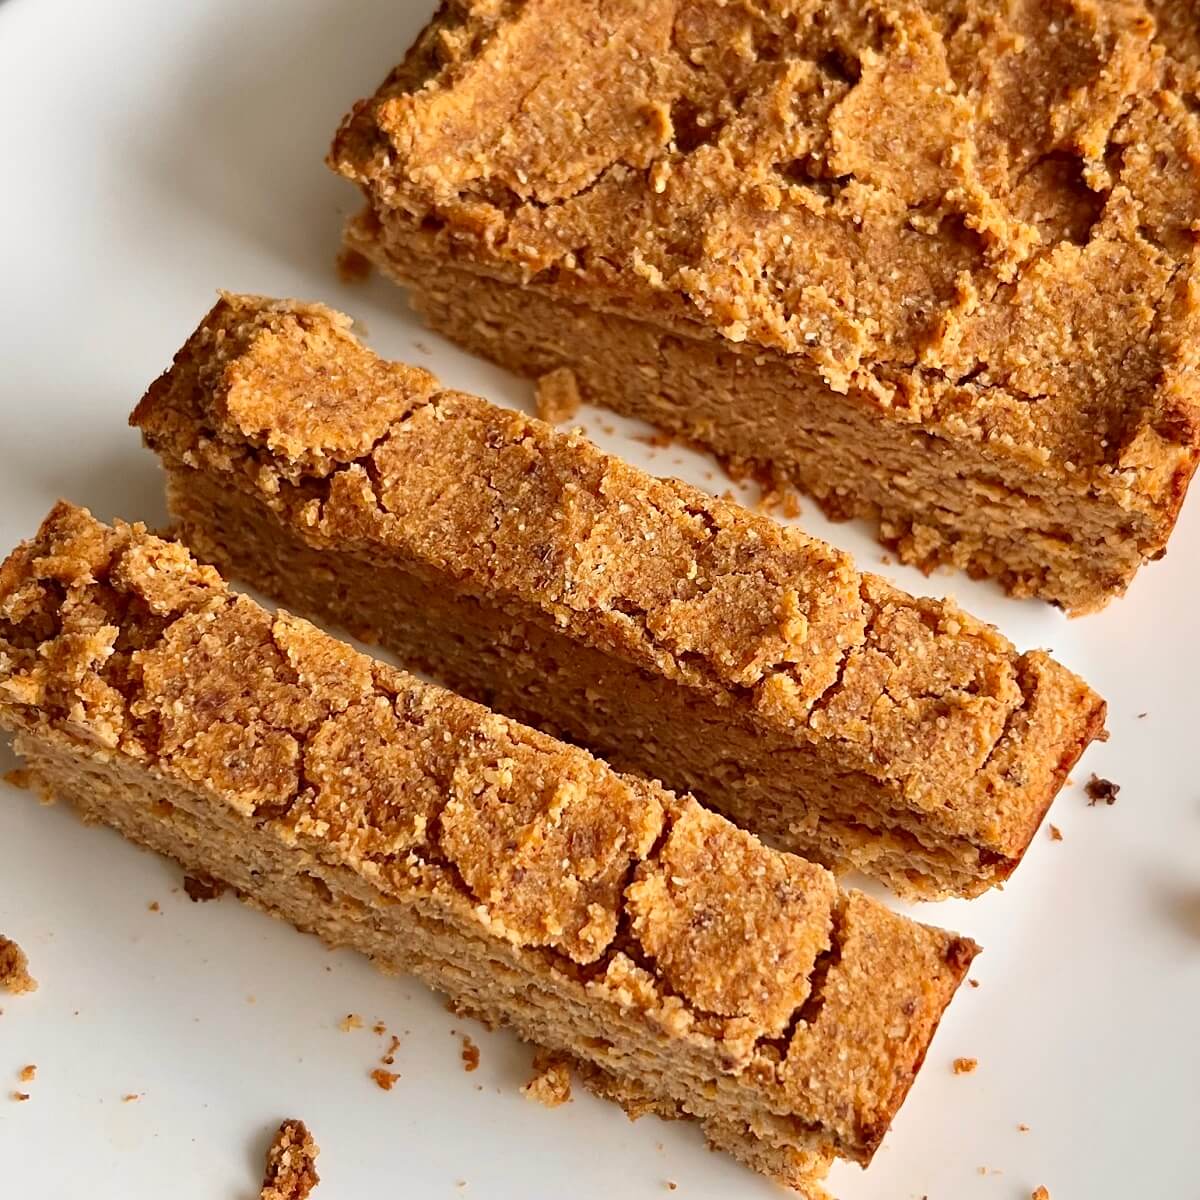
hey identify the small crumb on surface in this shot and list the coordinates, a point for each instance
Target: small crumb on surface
(28, 1074)
(352, 267)
(202, 887)
(671, 1185)
(1055, 833)
(973, 982)
(1022, 1128)
(291, 1171)
(557, 395)
(385, 1079)
(550, 1083)
(379, 1027)
(350, 1021)
(964, 1066)
(154, 906)
(18, 777)
(14, 968)
(1098, 790)
(21, 1096)
(1142, 716)
(470, 1054)
(1040, 1193)
(130, 1097)
(389, 1055)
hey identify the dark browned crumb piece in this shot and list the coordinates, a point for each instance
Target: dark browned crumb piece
(389, 1055)
(353, 267)
(470, 1054)
(973, 982)
(291, 1163)
(1098, 789)
(385, 1079)
(1055, 833)
(550, 1083)
(14, 968)
(202, 887)
(21, 1096)
(964, 1066)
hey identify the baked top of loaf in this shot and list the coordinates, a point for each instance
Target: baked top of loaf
(366, 454)
(981, 215)
(116, 643)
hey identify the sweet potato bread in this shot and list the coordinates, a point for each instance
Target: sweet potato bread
(934, 262)
(688, 968)
(679, 636)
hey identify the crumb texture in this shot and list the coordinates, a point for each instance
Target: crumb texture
(550, 1083)
(291, 1172)
(14, 968)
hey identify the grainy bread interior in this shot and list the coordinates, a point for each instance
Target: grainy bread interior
(687, 968)
(679, 636)
(934, 262)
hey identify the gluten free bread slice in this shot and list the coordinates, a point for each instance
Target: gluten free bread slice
(686, 967)
(679, 636)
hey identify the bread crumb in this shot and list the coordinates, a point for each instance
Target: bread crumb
(202, 887)
(385, 1079)
(291, 1171)
(550, 1083)
(973, 982)
(657, 441)
(154, 906)
(389, 1055)
(1040, 1193)
(964, 1066)
(352, 267)
(350, 1021)
(14, 968)
(1022, 1128)
(671, 1185)
(1098, 789)
(19, 777)
(1055, 833)
(130, 1097)
(28, 1074)
(558, 396)
(779, 497)
(379, 1027)
(22, 1096)
(470, 1054)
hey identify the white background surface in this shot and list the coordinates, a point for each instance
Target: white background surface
(152, 152)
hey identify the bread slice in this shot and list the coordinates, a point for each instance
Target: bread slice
(688, 968)
(679, 636)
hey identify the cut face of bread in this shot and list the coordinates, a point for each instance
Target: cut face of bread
(677, 635)
(687, 968)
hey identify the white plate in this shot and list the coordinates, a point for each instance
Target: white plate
(153, 152)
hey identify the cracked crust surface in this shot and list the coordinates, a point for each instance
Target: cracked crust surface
(967, 739)
(977, 217)
(207, 727)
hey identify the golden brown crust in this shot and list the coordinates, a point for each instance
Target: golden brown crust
(976, 216)
(247, 714)
(291, 1171)
(969, 739)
